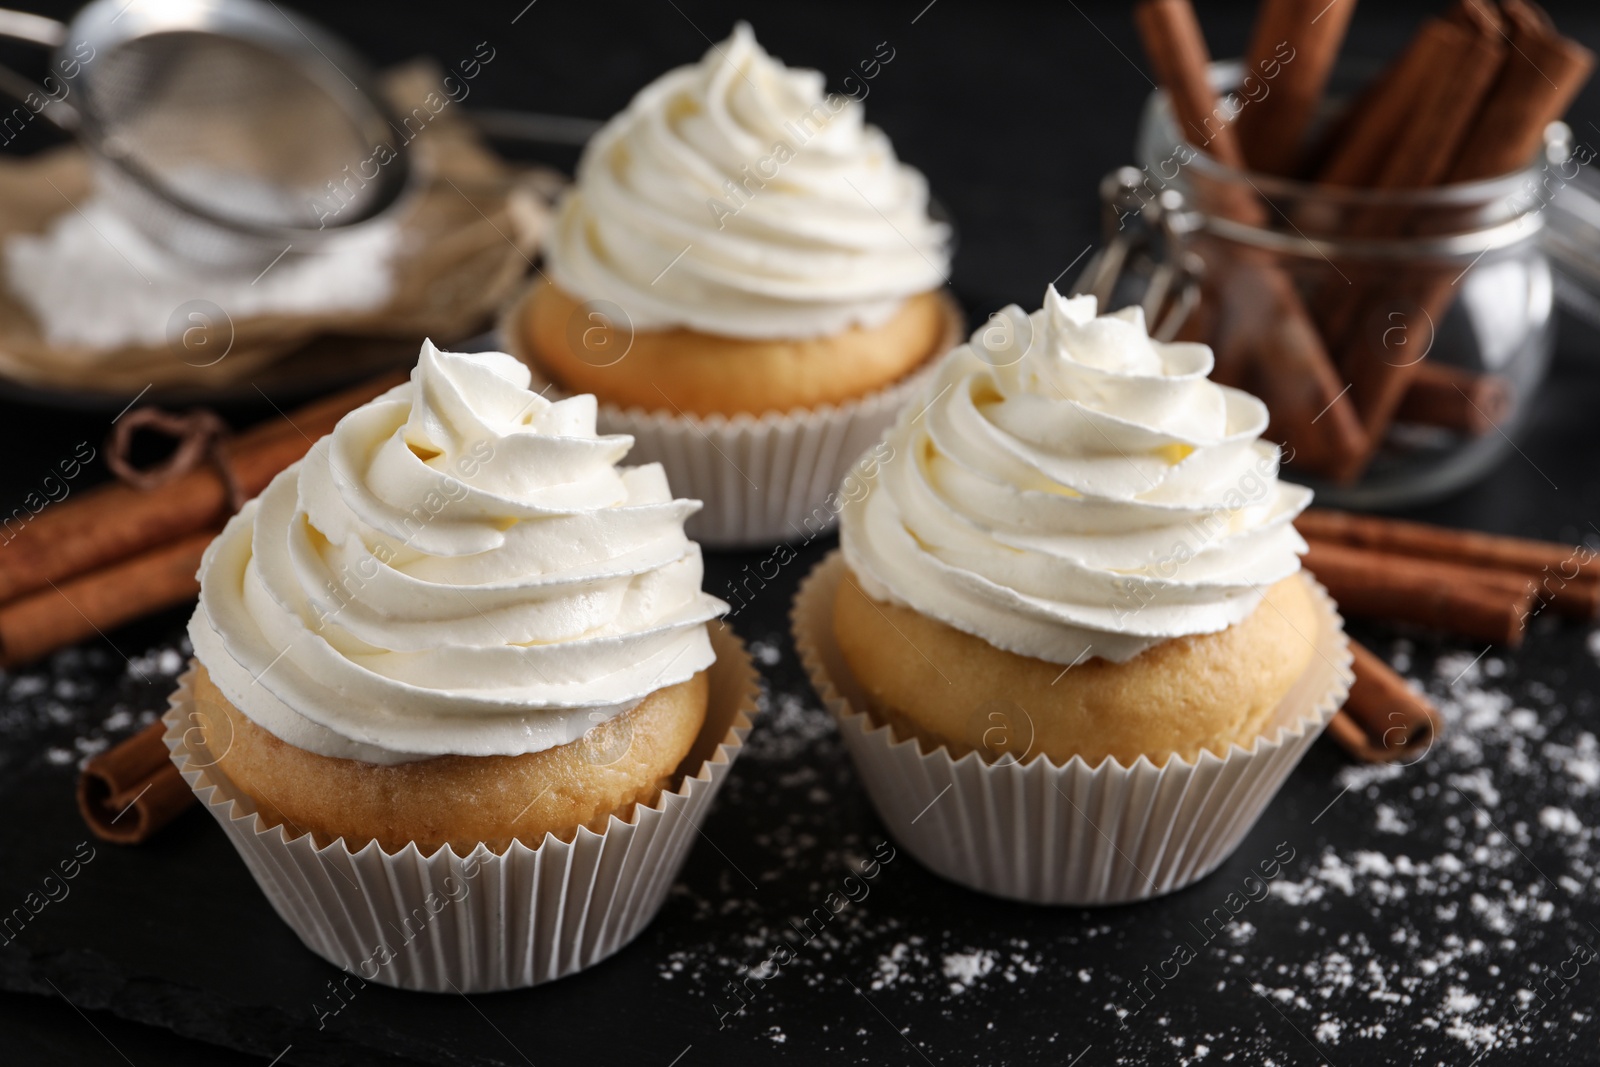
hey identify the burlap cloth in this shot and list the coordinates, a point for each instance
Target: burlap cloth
(467, 237)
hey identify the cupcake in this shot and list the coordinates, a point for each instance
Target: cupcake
(742, 249)
(458, 633)
(1077, 577)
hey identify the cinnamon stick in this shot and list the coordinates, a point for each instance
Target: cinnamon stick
(1345, 732)
(1267, 345)
(1535, 80)
(1265, 339)
(1177, 49)
(1369, 133)
(1272, 128)
(1480, 603)
(1384, 719)
(114, 522)
(102, 600)
(1543, 71)
(129, 792)
(1404, 134)
(1468, 547)
(1455, 398)
(1566, 577)
(1461, 63)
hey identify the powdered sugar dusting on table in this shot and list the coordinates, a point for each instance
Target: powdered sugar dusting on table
(1429, 914)
(1455, 898)
(83, 699)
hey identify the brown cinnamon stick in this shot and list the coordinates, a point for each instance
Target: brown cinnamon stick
(114, 522)
(1455, 398)
(1468, 547)
(1384, 719)
(1543, 71)
(129, 792)
(1368, 134)
(1345, 732)
(1404, 135)
(1265, 340)
(1461, 63)
(1272, 128)
(1565, 577)
(1267, 345)
(101, 600)
(1177, 49)
(1476, 127)
(1480, 603)
(1480, 16)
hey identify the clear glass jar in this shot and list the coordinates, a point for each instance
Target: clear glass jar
(1435, 304)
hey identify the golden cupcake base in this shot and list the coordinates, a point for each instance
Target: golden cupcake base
(779, 477)
(459, 800)
(488, 919)
(1205, 691)
(1069, 833)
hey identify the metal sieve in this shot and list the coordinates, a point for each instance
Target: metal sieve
(228, 131)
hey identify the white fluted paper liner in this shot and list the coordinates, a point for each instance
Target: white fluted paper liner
(487, 921)
(1068, 834)
(763, 479)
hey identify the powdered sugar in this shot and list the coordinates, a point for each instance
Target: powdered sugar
(84, 699)
(94, 280)
(1511, 860)
(1414, 922)
(966, 969)
(1430, 913)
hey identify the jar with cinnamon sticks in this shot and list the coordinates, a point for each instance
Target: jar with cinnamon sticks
(1373, 262)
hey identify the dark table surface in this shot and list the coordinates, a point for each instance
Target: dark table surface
(1441, 913)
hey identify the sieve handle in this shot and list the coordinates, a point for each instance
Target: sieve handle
(35, 29)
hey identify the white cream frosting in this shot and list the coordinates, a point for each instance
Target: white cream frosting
(736, 197)
(460, 567)
(1069, 488)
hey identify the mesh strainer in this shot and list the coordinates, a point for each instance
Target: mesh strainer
(227, 130)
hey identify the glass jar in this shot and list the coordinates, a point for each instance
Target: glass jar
(1432, 308)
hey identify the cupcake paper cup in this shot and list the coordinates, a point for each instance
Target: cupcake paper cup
(1068, 834)
(485, 921)
(763, 479)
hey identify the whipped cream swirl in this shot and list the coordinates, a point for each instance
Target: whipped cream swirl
(736, 197)
(460, 567)
(1069, 488)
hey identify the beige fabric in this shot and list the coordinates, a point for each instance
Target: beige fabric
(468, 235)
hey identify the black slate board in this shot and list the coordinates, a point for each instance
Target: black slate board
(174, 933)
